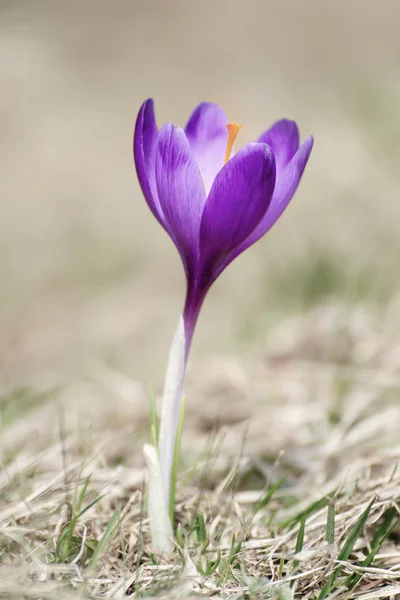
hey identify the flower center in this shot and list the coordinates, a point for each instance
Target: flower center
(233, 130)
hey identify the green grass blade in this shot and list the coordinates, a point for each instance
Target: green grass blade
(268, 495)
(346, 550)
(330, 524)
(314, 507)
(353, 580)
(65, 542)
(180, 538)
(299, 546)
(300, 536)
(82, 495)
(327, 588)
(355, 533)
(201, 530)
(175, 462)
(381, 531)
(95, 501)
(106, 539)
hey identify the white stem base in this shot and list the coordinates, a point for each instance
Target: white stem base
(160, 525)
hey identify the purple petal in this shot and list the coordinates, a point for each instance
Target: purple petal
(238, 200)
(207, 135)
(284, 139)
(181, 192)
(287, 182)
(144, 152)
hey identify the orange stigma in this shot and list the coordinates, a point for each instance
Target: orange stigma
(233, 130)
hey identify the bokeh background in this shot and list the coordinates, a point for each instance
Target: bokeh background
(87, 276)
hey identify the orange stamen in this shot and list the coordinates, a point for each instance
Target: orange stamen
(233, 130)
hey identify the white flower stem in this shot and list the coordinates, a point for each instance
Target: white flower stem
(172, 397)
(160, 524)
(162, 468)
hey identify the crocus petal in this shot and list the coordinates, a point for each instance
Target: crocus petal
(181, 192)
(144, 152)
(238, 200)
(287, 182)
(207, 135)
(284, 139)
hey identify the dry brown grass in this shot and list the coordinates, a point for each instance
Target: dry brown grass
(325, 417)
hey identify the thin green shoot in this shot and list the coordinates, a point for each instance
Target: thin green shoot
(352, 581)
(354, 534)
(206, 567)
(346, 550)
(269, 493)
(307, 512)
(180, 538)
(389, 516)
(228, 562)
(107, 537)
(330, 524)
(175, 462)
(68, 544)
(281, 566)
(299, 546)
(75, 517)
(201, 533)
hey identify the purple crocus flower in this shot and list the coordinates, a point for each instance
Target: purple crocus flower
(214, 204)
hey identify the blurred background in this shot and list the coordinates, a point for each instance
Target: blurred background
(86, 273)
